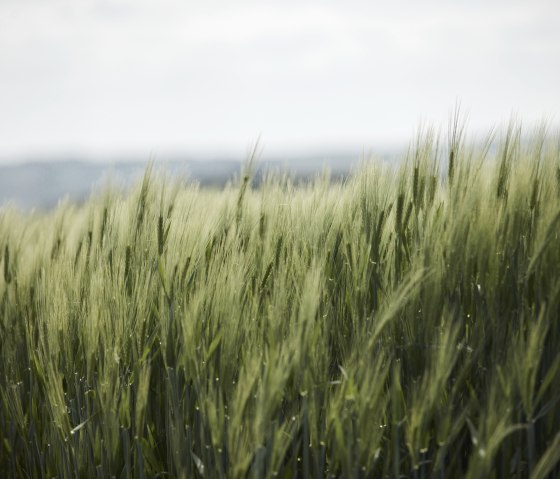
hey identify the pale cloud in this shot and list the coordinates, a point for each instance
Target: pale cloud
(142, 75)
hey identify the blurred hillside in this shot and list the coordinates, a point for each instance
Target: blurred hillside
(42, 184)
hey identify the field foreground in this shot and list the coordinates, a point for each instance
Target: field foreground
(404, 322)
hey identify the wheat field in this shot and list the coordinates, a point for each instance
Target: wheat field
(403, 322)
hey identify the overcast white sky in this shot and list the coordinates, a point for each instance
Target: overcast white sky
(101, 77)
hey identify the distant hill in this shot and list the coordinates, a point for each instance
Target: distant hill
(42, 184)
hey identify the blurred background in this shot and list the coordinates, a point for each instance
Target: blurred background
(99, 87)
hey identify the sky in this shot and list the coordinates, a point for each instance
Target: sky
(143, 77)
